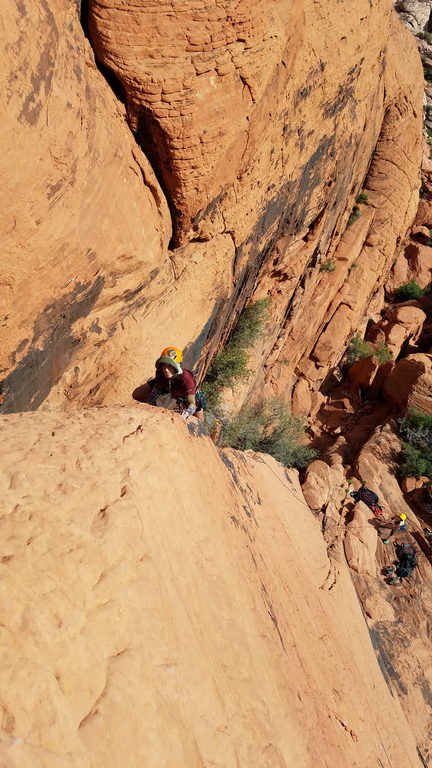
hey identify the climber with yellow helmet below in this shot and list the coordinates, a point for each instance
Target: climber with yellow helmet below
(171, 379)
(401, 527)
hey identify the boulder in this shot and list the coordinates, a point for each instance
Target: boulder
(406, 322)
(414, 263)
(380, 376)
(395, 337)
(408, 484)
(419, 257)
(412, 318)
(317, 400)
(375, 333)
(363, 371)
(317, 484)
(301, 400)
(415, 13)
(333, 339)
(360, 542)
(424, 214)
(409, 385)
(378, 608)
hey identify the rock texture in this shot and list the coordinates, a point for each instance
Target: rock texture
(409, 385)
(415, 13)
(399, 636)
(152, 623)
(361, 541)
(266, 170)
(78, 252)
(260, 122)
(88, 291)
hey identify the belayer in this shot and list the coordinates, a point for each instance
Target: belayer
(401, 527)
(171, 379)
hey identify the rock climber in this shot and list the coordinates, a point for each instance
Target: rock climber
(401, 527)
(171, 379)
(368, 497)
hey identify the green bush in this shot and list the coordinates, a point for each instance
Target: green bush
(425, 36)
(362, 198)
(358, 348)
(382, 353)
(329, 265)
(415, 462)
(230, 366)
(250, 324)
(212, 393)
(269, 428)
(355, 214)
(408, 291)
(416, 428)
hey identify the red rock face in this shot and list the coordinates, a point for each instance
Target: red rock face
(87, 297)
(280, 103)
(198, 622)
(85, 222)
(194, 73)
(260, 122)
(409, 385)
(269, 140)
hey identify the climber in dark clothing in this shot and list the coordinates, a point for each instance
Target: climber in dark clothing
(368, 497)
(171, 379)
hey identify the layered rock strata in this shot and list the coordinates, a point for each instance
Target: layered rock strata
(267, 171)
(261, 123)
(88, 291)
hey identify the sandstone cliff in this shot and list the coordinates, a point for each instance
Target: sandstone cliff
(166, 603)
(157, 615)
(261, 123)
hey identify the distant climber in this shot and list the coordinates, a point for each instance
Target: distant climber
(368, 497)
(400, 526)
(171, 379)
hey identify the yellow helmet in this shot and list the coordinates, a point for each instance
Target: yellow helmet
(173, 352)
(403, 516)
(171, 356)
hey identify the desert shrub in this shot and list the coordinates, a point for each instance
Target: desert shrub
(250, 324)
(416, 429)
(362, 198)
(329, 265)
(415, 462)
(230, 366)
(354, 215)
(408, 291)
(427, 36)
(212, 393)
(382, 353)
(358, 348)
(270, 428)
